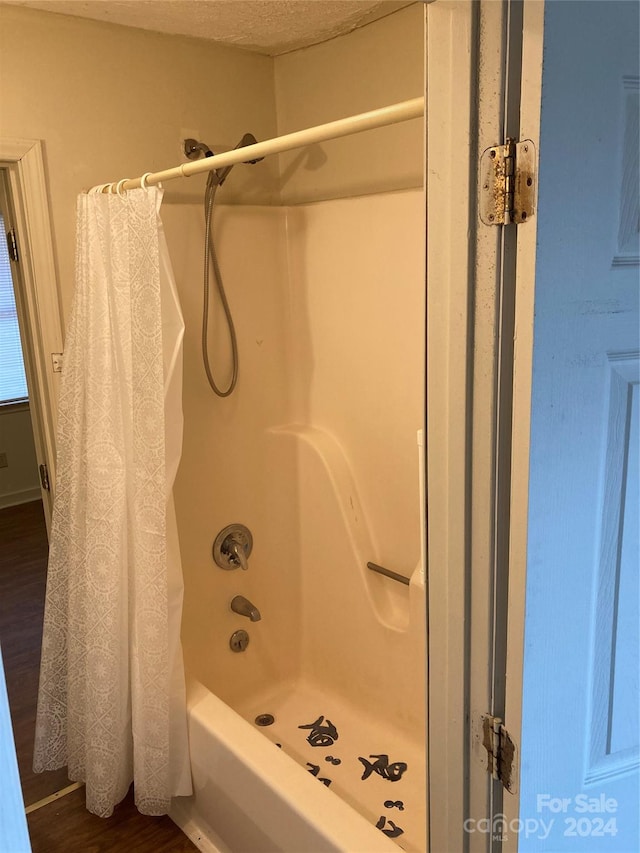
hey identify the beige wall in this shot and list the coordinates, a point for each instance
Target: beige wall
(19, 480)
(111, 102)
(372, 67)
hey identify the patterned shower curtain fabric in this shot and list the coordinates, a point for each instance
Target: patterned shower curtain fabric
(111, 704)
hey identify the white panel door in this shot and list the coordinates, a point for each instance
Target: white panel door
(580, 723)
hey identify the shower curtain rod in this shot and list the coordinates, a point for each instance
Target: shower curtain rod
(392, 114)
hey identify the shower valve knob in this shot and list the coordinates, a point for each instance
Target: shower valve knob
(232, 547)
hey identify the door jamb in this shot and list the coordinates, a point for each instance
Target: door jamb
(450, 35)
(468, 535)
(23, 160)
(530, 103)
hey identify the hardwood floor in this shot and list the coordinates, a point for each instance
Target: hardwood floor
(66, 826)
(63, 826)
(23, 571)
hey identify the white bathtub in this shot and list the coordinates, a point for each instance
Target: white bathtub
(249, 797)
(335, 640)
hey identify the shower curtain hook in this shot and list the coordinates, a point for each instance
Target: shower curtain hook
(119, 186)
(143, 180)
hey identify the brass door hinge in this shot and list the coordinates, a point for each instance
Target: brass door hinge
(44, 477)
(496, 750)
(12, 245)
(507, 183)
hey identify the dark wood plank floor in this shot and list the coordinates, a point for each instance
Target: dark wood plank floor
(23, 572)
(66, 826)
(63, 826)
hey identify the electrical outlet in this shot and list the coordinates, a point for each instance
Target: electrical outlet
(3, 460)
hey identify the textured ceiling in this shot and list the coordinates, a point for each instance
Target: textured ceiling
(266, 26)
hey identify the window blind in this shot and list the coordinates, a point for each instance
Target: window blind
(13, 382)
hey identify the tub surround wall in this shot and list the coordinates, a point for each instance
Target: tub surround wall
(295, 370)
(362, 634)
(357, 336)
(227, 467)
(315, 451)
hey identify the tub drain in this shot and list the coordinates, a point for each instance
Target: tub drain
(265, 720)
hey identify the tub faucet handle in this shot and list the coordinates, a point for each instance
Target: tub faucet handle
(232, 547)
(236, 553)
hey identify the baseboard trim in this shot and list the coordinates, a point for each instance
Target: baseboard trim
(53, 797)
(24, 496)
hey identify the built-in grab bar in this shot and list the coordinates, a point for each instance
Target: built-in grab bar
(388, 573)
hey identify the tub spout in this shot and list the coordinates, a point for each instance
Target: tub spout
(241, 605)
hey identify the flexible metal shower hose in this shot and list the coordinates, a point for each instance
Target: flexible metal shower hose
(210, 252)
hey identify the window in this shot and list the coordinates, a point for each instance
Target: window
(13, 382)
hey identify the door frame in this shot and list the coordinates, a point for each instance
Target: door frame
(37, 281)
(531, 97)
(483, 84)
(450, 34)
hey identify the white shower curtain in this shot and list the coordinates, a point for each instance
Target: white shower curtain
(111, 703)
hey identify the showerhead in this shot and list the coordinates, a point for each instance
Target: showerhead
(249, 139)
(220, 175)
(193, 149)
